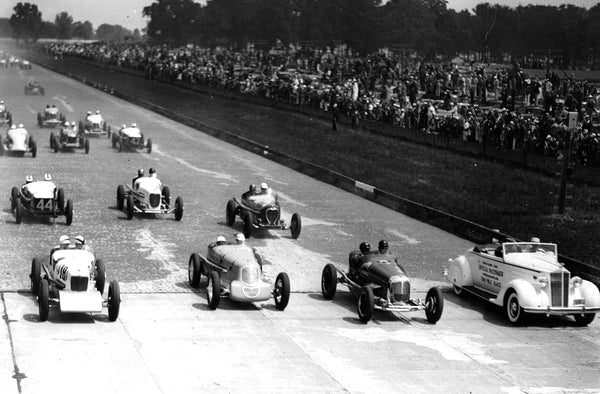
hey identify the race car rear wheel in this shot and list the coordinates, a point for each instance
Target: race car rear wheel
(296, 225)
(60, 199)
(19, 212)
(119, 144)
(230, 212)
(178, 208)
(329, 281)
(247, 218)
(129, 207)
(36, 275)
(55, 144)
(149, 145)
(69, 212)
(52, 140)
(114, 300)
(213, 290)
(512, 307)
(40, 120)
(80, 127)
(166, 195)
(100, 275)
(194, 270)
(434, 305)
(120, 197)
(366, 304)
(86, 145)
(14, 197)
(585, 319)
(33, 147)
(44, 300)
(281, 291)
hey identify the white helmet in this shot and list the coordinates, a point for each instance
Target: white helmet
(134, 125)
(13, 126)
(123, 126)
(89, 112)
(264, 186)
(21, 125)
(221, 239)
(79, 240)
(64, 240)
(97, 112)
(47, 177)
(29, 178)
(67, 124)
(535, 239)
(239, 238)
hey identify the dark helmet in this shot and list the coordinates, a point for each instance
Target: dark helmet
(141, 172)
(252, 187)
(383, 245)
(365, 248)
(152, 171)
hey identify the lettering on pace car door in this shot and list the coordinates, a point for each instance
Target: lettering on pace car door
(491, 275)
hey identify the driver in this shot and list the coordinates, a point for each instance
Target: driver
(140, 174)
(251, 191)
(383, 247)
(365, 248)
(240, 239)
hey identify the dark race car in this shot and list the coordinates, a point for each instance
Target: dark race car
(34, 87)
(50, 117)
(40, 199)
(259, 208)
(130, 137)
(381, 283)
(69, 138)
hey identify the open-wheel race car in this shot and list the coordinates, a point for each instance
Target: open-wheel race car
(130, 137)
(69, 138)
(40, 199)
(5, 115)
(94, 124)
(73, 279)
(259, 208)
(50, 117)
(33, 87)
(17, 141)
(147, 195)
(25, 65)
(523, 278)
(234, 270)
(381, 283)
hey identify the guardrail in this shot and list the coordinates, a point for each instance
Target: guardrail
(443, 220)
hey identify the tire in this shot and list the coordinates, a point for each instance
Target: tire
(44, 300)
(166, 194)
(19, 212)
(33, 146)
(120, 197)
(230, 212)
(43, 91)
(247, 218)
(281, 291)
(130, 207)
(108, 132)
(434, 305)
(178, 208)
(213, 290)
(329, 281)
(69, 212)
(585, 319)
(86, 145)
(80, 127)
(113, 141)
(119, 144)
(366, 304)
(36, 275)
(103, 126)
(512, 308)
(114, 300)
(55, 144)
(14, 197)
(40, 121)
(149, 145)
(296, 225)
(194, 270)
(100, 275)
(52, 140)
(60, 199)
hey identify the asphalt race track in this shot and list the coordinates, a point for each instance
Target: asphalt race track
(166, 340)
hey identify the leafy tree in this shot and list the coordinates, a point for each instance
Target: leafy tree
(172, 21)
(83, 30)
(26, 22)
(114, 33)
(5, 29)
(64, 25)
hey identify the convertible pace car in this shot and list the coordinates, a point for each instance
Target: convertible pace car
(381, 283)
(40, 199)
(524, 277)
(235, 271)
(259, 208)
(69, 139)
(94, 124)
(146, 196)
(73, 279)
(17, 141)
(130, 137)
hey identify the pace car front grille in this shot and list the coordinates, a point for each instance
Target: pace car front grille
(250, 275)
(559, 288)
(400, 291)
(272, 215)
(154, 200)
(79, 283)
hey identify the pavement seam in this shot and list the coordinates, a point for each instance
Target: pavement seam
(18, 376)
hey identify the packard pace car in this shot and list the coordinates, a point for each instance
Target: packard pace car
(234, 270)
(40, 199)
(94, 124)
(130, 137)
(523, 278)
(5, 115)
(17, 141)
(69, 138)
(147, 195)
(34, 87)
(259, 208)
(50, 117)
(73, 280)
(381, 283)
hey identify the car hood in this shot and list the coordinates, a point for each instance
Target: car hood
(148, 185)
(131, 132)
(77, 261)
(240, 255)
(546, 262)
(94, 118)
(41, 189)
(381, 270)
(70, 132)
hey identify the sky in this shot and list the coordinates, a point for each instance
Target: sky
(128, 13)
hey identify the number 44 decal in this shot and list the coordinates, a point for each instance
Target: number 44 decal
(44, 205)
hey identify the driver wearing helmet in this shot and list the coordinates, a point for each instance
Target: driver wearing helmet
(251, 191)
(140, 174)
(47, 177)
(152, 172)
(80, 243)
(383, 247)
(264, 188)
(64, 242)
(365, 248)
(240, 239)
(28, 178)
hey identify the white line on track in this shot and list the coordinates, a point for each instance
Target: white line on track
(33, 111)
(404, 237)
(64, 102)
(214, 174)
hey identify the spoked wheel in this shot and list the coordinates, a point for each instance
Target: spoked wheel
(120, 197)
(129, 207)
(194, 270)
(366, 304)
(230, 212)
(44, 300)
(213, 290)
(178, 208)
(513, 309)
(281, 292)
(69, 212)
(296, 225)
(434, 305)
(19, 212)
(14, 197)
(100, 275)
(36, 275)
(114, 300)
(329, 281)
(60, 196)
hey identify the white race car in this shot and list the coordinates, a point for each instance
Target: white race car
(524, 277)
(40, 199)
(51, 117)
(94, 124)
(148, 196)
(69, 138)
(18, 141)
(25, 65)
(130, 137)
(73, 279)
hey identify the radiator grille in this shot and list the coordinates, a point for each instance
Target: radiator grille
(79, 283)
(154, 200)
(272, 215)
(400, 291)
(559, 288)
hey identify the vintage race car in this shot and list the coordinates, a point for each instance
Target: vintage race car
(17, 141)
(148, 196)
(523, 277)
(130, 137)
(73, 279)
(260, 209)
(40, 199)
(94, 124)
(234, 271)
(25, 65)
(5, 115)
(50, 117)
(381, 283)
(13, 61)
(69, 138)
(34, 87)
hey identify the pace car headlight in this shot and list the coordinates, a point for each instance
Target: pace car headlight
(577, 281)
(543, 282)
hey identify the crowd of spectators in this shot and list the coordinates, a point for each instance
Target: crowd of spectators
(499, 105)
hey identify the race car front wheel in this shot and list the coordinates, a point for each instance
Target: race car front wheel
(114, 300)
(100, 275)
(434, 305)
(194, 271)
(329, 281)
(213, 290)
(44, 300)
(281, 292)
(36, 275)
(366, 304)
